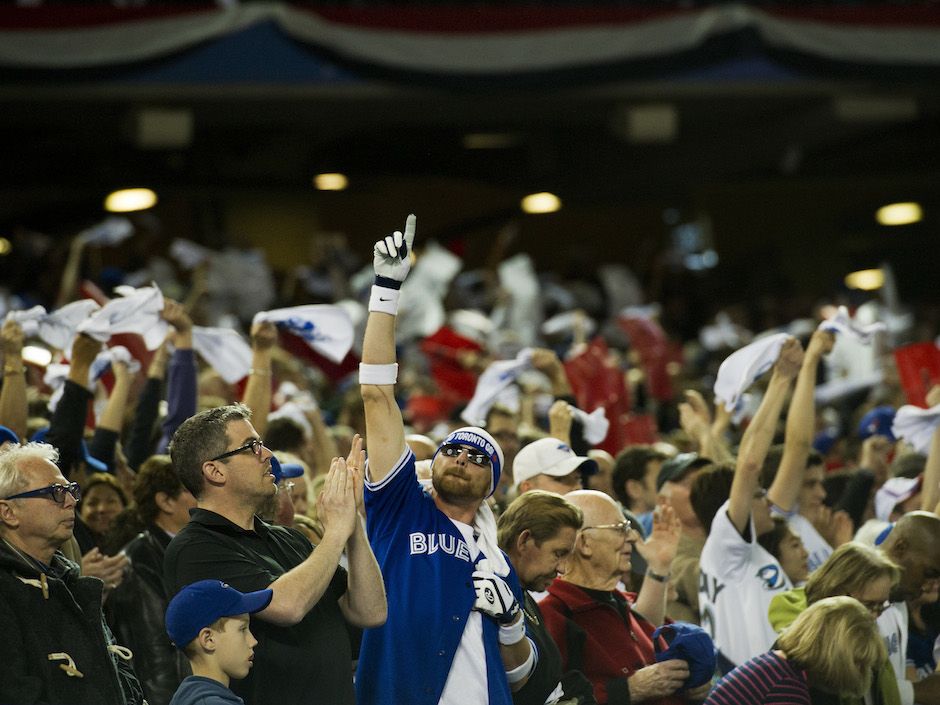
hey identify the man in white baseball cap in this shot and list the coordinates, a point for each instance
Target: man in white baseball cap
(550, 464)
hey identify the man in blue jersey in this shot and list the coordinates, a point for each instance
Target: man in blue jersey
(455, 633)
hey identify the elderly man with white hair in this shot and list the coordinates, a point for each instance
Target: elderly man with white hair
(616, 649)
(56, 647)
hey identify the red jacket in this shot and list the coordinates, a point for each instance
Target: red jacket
(612, 650)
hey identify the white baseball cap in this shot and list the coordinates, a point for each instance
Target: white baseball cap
(548, 456)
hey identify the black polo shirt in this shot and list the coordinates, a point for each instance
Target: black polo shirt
(310, 662)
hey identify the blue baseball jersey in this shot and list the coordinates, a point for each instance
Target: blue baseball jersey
(427, 567)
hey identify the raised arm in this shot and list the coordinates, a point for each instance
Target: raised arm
(182, 385)
(14, 408)
(931, 484)
(385, 432)
(258, 394)
(760, 433)
(801, 423)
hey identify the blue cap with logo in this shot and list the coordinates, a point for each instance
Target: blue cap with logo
(877, 422)
(200, 604)
(693, 645)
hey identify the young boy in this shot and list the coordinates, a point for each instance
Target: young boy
(208, 621)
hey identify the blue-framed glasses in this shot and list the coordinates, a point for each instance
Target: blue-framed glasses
(254, 445)
(452, 450)
(56, 491)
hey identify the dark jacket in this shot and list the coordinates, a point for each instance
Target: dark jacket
(197, 690)
(135, 611)
(594, 637)
(54, 644)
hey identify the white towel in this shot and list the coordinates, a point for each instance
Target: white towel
(742, 367)
(136, 311)
(595, 424)
(224, 350)
(916, 426)
(56, 329)
(894, 491)
(109, 232)
(485, 524)
(492, 382)
(841, 322)
(326, 329)
(57, 373)
(188, 253)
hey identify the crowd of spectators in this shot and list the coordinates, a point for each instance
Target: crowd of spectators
(526, 494)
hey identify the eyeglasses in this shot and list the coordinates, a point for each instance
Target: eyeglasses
(875, 606)
(254, 445)
(625, 527)
(452, 450)
(286, 485)
(57, 492)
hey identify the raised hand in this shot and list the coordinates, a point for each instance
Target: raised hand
(355, 466)
(336, 503)
(790, 359)
(391, 255)
(821, 343)
(263, 335)
(660, 548)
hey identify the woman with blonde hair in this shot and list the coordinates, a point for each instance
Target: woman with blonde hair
(833, 647)
(859, 571)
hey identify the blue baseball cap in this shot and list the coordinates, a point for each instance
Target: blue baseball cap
(8, 436)
(200, 604)
(286, 470)
(693, 645)
(877, 422)
(93, 463)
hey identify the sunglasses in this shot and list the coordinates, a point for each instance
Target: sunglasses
(452, 450)
(625, 527)
(57, 492)
(254, 445)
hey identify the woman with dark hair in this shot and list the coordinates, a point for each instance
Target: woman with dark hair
(787, 547)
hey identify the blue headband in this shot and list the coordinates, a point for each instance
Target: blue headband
(476, 437)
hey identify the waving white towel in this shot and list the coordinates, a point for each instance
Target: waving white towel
(742, 367)
(327, 329)
(224, 350)
(135, 311)
(916, 426)
(842, 322)
(494, 380)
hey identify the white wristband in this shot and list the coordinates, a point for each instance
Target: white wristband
(520, 672)
(384, 300)
(378, 374)
(512, 633)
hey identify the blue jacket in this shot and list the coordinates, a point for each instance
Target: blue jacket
(427, 569)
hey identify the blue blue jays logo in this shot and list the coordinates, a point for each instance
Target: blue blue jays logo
(305, 329)
(772, 576)
(567, 449)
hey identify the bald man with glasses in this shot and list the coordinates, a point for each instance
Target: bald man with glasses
(606, 633)
(56, 647)
(304, 653)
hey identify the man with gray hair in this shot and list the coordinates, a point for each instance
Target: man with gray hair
(56, 646)
(304, 649)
